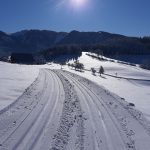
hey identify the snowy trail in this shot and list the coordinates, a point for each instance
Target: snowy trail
(99, 121)
(23, 124)
(113, 124)
(62, 111)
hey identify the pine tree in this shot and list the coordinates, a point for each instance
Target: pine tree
(101, 70)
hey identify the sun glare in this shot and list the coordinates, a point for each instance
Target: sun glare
(78, 3)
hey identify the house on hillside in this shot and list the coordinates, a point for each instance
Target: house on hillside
(22, 58)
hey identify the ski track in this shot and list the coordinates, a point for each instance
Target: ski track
(62, 111)
(71, 121)
(118, 119)
(30, 116)
(101, 139)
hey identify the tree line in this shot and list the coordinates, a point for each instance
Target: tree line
(124, 48)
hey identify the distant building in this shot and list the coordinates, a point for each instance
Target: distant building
(22, 58)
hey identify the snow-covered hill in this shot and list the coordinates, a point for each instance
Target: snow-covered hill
(44, 107)
(135, 91)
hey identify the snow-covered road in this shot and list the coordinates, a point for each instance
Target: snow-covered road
(63, 111)
(34, 116)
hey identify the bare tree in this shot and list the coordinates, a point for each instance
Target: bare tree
(93, 71)
(78, 65)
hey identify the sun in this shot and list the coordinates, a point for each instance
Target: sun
(78, 3)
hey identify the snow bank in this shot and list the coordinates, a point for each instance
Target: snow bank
(14, 79)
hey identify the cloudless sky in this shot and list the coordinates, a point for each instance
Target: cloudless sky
(128, 17)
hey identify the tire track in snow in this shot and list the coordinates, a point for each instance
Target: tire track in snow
(70, 120)
(59, 112)
(43, 117)
(134, 134)
(25, 102)
(29, 130)
(90, 100)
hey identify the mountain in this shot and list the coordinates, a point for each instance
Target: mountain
(36, 40)
(29, 40)
(84, 38)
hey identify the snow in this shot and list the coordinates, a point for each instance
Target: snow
(109, 117)
(56, 109)
(114, 67)
(133, 91)
(137, 92)
(14, 79)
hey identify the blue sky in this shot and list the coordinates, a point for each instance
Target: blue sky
(128, 17)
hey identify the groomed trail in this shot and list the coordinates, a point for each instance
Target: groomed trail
(63, 111)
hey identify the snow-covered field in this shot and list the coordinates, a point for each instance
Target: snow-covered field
(59, 110)
(14, 79)
(137, 92)
(113, 67)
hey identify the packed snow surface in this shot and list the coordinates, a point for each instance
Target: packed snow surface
(14, 79)
(63, 111)
(43, 107)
